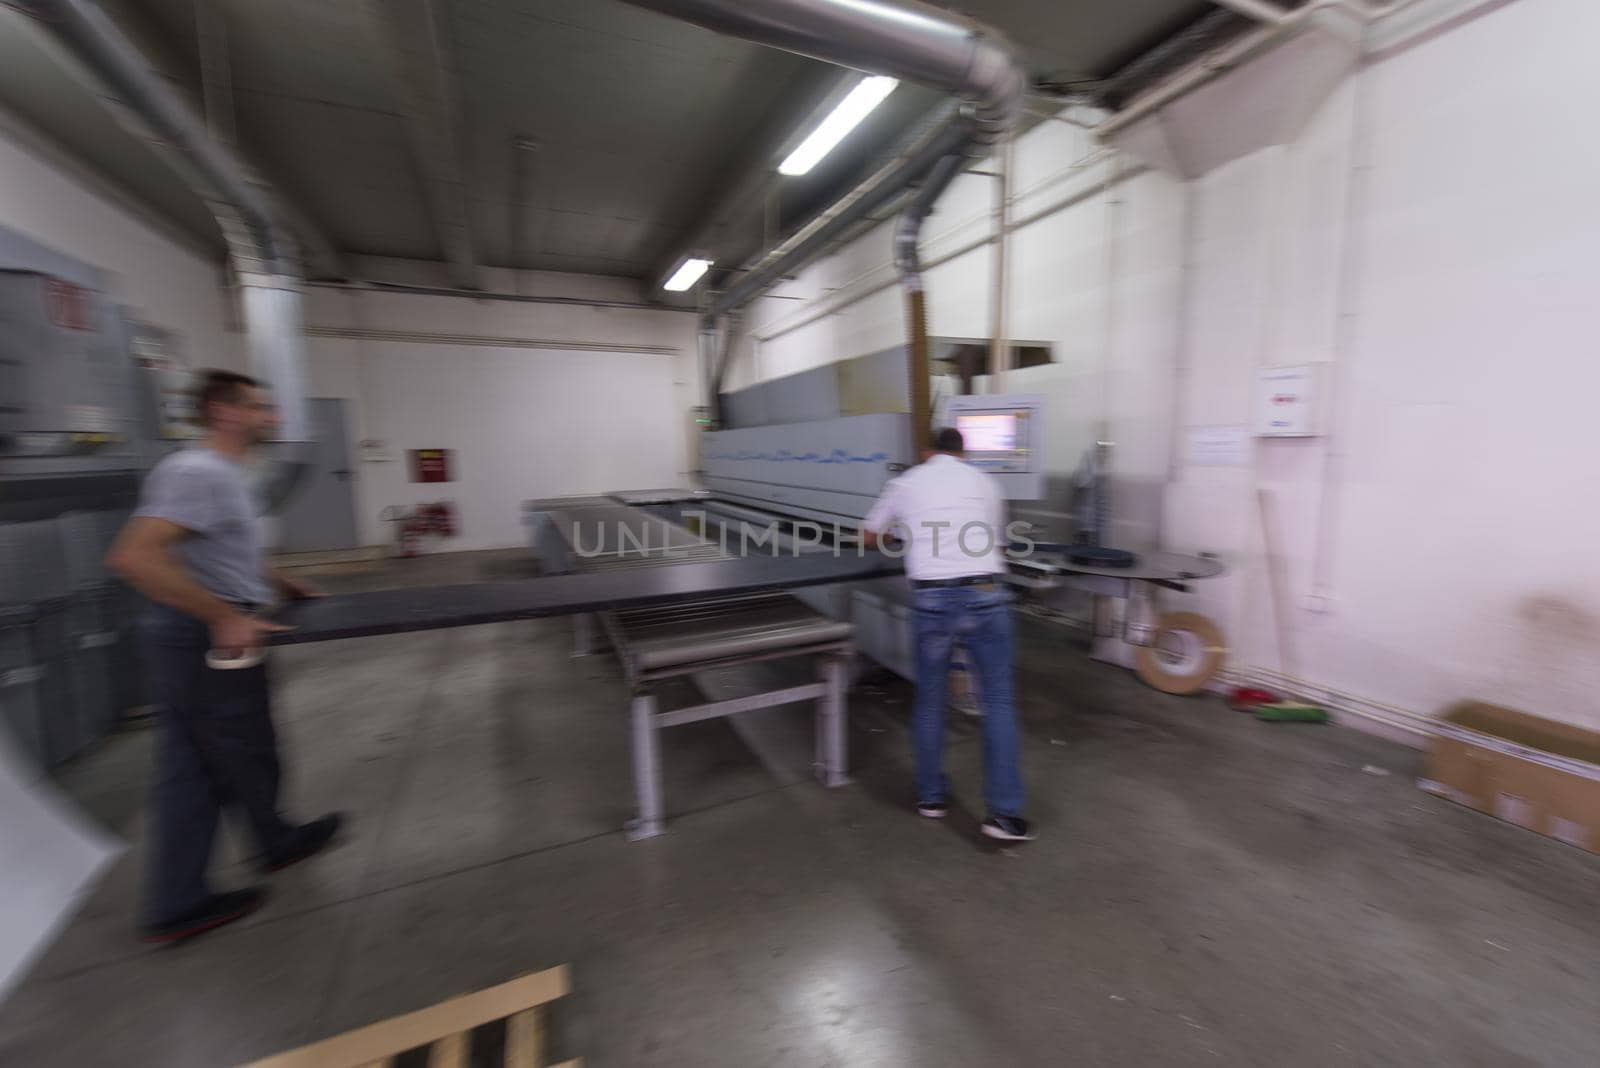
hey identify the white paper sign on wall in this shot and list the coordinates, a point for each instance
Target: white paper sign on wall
(1219, 446)
(1290, 401)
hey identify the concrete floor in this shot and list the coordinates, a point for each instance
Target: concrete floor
(1206, 888)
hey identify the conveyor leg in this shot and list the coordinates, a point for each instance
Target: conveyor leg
(646, 769)
(831, 725)
(582, 634)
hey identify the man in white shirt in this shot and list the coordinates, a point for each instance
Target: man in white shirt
(952, 518)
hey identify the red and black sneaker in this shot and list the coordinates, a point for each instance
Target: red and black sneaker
(215, 911)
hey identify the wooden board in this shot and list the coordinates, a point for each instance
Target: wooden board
(446, 1020)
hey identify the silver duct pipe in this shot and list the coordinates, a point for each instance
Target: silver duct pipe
(905, 40)
(709, 366)
(947, 138)
(264, 259)
(908, 261)
(908, 230)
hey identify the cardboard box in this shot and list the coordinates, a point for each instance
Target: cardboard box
(1535, 773)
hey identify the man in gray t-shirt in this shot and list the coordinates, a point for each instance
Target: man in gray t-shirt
(193, 547)
(208, 495)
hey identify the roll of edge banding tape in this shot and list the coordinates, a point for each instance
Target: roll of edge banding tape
(218, 662)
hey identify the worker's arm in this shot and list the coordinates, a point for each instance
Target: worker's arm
(882, 515)
(143, 556)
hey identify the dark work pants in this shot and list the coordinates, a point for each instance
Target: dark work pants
(215, 747)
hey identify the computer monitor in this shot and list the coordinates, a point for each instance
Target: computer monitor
(989, 432)
(1003, 435)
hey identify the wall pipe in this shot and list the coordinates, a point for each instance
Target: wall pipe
(264, 259)
(1000, 292)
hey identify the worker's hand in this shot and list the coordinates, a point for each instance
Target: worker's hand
(295, 590)
(235, 635)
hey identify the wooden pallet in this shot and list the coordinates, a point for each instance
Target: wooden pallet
(446, 1029)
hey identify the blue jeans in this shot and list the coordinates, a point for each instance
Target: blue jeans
(215, 747)
(980, 618)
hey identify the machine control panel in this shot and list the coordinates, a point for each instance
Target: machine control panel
(1004, 435)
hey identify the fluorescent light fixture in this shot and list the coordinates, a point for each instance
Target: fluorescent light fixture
(686, 275)
(840, 121)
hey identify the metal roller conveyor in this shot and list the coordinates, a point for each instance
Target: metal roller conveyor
(597, 536)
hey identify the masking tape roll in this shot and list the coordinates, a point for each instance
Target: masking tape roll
(217, 662)
(1202, 653)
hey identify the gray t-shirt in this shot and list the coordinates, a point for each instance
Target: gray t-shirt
(210, 496)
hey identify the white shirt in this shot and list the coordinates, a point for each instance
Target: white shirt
(952, 516)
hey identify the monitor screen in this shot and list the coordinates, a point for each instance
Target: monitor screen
(988, 431)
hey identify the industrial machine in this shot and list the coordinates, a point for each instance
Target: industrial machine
(807, 457)
(86, 403)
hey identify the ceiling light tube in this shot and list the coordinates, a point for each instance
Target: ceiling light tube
(857, 105)
(686, 275)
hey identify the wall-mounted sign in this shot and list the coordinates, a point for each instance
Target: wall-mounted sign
(430, 465)
(1289, 400)
(69, 306)
(1219, 446)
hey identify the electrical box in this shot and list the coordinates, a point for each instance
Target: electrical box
(1291, 402)
(168, 385)
(68, 400)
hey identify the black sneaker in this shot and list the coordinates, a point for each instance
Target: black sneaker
(1008, 828)
(213, 912)
(934, 810)
(308, 840)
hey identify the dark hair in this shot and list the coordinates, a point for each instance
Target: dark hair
(218, 387)
(949, 440)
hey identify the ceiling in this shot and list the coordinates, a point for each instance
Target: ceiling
(575, 135)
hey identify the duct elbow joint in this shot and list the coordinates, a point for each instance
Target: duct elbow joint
(907, 233)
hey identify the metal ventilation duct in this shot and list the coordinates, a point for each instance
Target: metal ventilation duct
(909, 41)
(264, 259)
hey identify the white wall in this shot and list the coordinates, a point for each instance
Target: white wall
(1439, 544)
(524, 422)
(166, 282)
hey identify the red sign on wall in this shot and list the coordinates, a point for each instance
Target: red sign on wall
(69, 306)
(430, 465)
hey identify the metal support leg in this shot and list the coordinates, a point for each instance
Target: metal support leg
(832, 759)
(646, 769)
(583, 634)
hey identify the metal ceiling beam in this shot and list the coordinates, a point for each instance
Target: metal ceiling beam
(427, 91)
(1260, 10)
